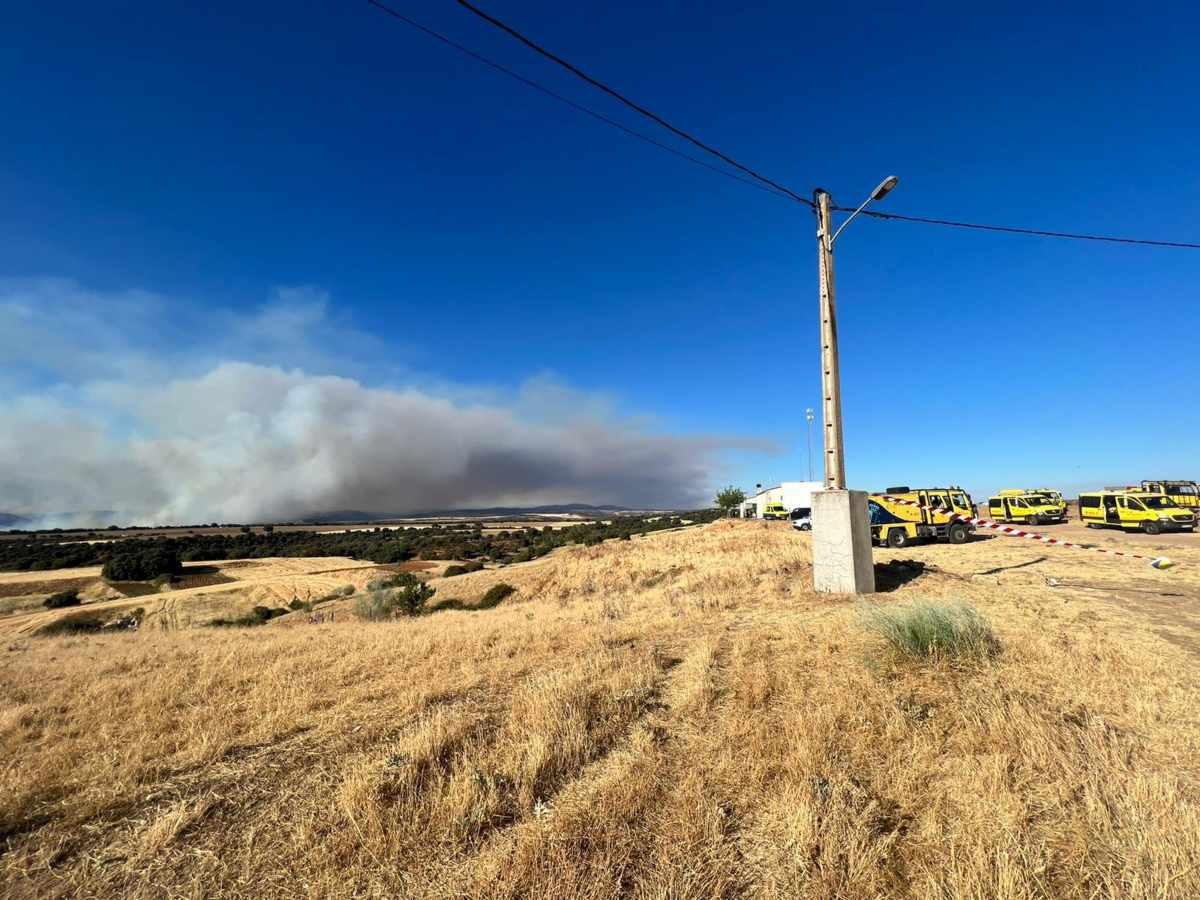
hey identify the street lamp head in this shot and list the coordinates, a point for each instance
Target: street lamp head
(885, 187)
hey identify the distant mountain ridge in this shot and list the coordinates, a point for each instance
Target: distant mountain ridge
(355, 515)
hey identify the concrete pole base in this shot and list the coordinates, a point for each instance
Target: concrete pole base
(841, 543)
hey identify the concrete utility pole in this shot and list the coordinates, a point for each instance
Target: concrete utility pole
(841, 529)
(831, 379)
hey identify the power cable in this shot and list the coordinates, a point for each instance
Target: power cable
(569, 102)
(761, 182)
(1011, 230)
(575, 70)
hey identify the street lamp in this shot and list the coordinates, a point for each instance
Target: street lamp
(841, 529)
(884, 188)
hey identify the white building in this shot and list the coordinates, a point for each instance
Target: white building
(792, 494)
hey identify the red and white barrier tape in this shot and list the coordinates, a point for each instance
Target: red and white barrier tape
(1158, 562)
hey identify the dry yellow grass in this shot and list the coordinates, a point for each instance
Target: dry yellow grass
(676, 716)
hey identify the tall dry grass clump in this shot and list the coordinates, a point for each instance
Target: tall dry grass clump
(671, 716)
(926, 631)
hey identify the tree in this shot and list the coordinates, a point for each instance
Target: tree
(142, 565)
(729, 498)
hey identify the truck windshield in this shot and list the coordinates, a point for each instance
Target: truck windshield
(962, 501)
(1157, 502)
(1185, 490)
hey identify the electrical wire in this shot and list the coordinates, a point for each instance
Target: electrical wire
(760, 182)
(569, 102)
(575, 70)
(1011, 230)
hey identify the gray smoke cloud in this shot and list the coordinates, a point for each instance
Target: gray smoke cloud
(104, 411)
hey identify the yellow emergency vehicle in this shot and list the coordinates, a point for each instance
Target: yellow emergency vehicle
(1182, 493)
(775, 511)
(1027, 507)
(1134, 510)
(1055, 497)
(899, 524)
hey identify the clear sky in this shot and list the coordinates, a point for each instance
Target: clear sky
(179, 180)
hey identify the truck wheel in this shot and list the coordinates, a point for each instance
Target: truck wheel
(957, 533)
(1151, 527)
(1035, 521)
(897, 538)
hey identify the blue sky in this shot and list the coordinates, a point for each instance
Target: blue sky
(465, 234)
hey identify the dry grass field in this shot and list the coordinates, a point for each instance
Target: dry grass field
(674, 716)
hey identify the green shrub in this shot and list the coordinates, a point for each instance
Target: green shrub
(451, 571)
(923, 631)
(403, 594)
(142, 565)
(260, 615)
(374, 606)
(61, 599)
(495, 595)
(83, 623)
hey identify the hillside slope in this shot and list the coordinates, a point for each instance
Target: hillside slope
(676, 715)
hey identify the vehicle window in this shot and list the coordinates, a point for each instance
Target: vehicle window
(1091, 502)
(1186, 490)
(1018, 502)
(1158, 502)
(1131, 503)
(962, 501)
(938, 501)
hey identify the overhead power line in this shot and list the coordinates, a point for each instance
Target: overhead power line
(1034, 231)
(760, 182)
(575, 70)
(529, 82)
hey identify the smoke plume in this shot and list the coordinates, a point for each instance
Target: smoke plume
(151, 433)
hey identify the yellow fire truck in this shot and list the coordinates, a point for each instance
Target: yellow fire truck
(1182, 493)
(899, 524)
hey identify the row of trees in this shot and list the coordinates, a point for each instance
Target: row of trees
(136, 559)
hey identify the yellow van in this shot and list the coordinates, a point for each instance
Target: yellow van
(899, 524)
(775, 511)
(1025, 507)
(1134, 511)
(1055, 498)
(1182, 493)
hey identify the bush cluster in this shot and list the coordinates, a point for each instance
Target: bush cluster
(260, 615)
(467, 541)
(61, 600)
(451, 571)
(400, 595)
(142, 564)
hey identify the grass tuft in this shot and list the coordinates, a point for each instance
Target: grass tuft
(923, 631)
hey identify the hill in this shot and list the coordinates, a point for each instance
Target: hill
(676, 715)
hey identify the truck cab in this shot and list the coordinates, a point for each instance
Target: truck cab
(1026, 507)
(1134, 510)
(928, 514)
(1182, 493)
